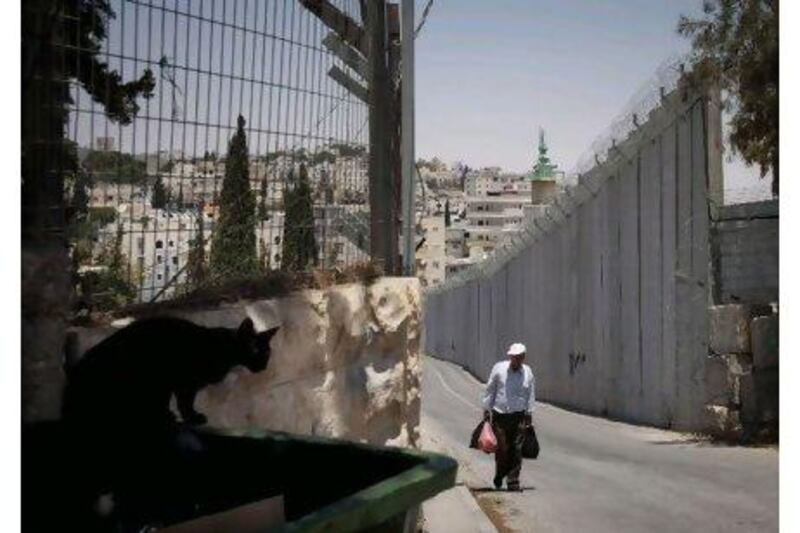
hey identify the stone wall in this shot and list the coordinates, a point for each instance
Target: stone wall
(742, 372)
(344, 364)
(746, 239)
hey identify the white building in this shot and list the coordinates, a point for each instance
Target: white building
(491, 182)
(491, 218)
(156, 245)
(431, 257)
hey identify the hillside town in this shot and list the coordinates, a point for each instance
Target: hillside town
(153, 207)
(465, 214)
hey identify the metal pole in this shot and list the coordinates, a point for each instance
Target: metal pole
(407, 128)
(380, 189)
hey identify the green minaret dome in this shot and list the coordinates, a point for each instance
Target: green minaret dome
(543, 169)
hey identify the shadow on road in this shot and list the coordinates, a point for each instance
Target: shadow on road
(481, 490)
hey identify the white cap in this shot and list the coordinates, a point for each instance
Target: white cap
(516, 349)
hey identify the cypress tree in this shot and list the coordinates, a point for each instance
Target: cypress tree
(159, 198)
(447, 213)
(262, 202)
(299, 242)
(196, 261)
(233, 248)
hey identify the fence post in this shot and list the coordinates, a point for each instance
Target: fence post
(383, 237)
(407, 127)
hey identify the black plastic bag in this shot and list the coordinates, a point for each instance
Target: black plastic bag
(530, 445)
(473, 442)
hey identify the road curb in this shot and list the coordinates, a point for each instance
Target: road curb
(455, 511)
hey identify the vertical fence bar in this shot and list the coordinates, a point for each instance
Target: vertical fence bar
(407, 128)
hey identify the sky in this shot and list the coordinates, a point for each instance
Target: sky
(490, 73)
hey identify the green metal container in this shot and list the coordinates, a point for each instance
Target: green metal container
(327, 484)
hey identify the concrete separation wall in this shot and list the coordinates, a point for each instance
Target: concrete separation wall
(609, 287)
(345, 363)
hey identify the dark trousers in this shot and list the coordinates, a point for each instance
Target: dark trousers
(508, 457)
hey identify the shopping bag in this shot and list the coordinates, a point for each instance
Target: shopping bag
(487, 442)
(530, 444)
(476, 434)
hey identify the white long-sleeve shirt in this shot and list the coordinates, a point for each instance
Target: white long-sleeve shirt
(510, 391)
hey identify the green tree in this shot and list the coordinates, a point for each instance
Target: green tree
(79, 204)
(196, 262)
(110, 287)
(299, 242)
(179, 201)
(61, 49)
(233, 249)
(115, 167)
(160, 197)
(447, 213)
(262, 201)
(735, 44)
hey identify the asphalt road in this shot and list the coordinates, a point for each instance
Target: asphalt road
(598, 475)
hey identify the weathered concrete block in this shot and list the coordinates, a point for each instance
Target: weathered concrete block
(748, 400)
(724, 374)
(719, 386)
(740, 364)
(767, 391)
(723, 422)
(729, 327)
(764, 341)
(759, 393)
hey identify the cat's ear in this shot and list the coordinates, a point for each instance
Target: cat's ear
(264, 337)
(246, 329)
(267, 335)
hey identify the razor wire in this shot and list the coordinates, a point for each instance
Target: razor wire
(650, 96)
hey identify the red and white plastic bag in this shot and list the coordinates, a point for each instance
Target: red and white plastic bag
(487, 442)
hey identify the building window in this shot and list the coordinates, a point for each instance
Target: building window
(159, 244)
(277, 241)
(159, 259)
(175, 260)
(140, 245)
(158, 277)
(172, 243)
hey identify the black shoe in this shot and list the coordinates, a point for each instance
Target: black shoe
(498, 483)
(514, 487)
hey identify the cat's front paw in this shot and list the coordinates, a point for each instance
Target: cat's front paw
(196, 419)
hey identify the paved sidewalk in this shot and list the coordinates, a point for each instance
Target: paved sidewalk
(455, 511)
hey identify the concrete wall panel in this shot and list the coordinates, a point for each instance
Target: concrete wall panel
(611, 295)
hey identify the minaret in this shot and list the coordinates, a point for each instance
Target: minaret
(543, 176)
(543, 169)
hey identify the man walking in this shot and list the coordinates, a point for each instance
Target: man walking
(508, 401)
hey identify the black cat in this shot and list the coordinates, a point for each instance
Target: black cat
(127, 453)
(130, 377)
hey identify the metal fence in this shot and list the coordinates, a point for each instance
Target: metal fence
(147, 201)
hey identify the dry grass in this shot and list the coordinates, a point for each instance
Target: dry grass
(275, 284)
